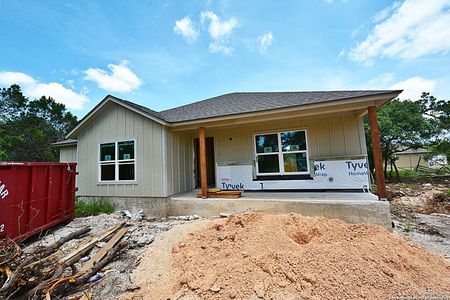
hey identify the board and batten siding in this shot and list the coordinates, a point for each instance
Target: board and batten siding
(121, 124)
(328, 137)
(179, 161)
(68, 153)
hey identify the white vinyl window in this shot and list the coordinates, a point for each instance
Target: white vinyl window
(117, 161)
(282, 153)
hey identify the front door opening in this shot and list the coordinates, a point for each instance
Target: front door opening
(210, 162)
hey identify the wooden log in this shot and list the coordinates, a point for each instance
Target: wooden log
(52, 248)
(103, 251)
(74, 256)
(66, 238)
(222, 194)
(112, 253)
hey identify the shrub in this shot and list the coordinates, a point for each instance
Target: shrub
(92, 208)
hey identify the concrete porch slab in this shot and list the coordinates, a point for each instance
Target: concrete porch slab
(351, 207)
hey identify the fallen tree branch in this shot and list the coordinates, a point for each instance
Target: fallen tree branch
(46, 253)
(64, 239)
(17, 272)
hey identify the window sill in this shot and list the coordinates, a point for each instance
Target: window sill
(131, 182)
(283, 177)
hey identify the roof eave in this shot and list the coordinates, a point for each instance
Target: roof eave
(62, 144)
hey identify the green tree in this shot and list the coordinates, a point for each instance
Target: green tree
(29, 127)
(438, 111)
(405, 125)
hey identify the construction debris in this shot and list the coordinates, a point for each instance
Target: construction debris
(46, 271)
(423, 198)
(86, 263)
(217, 193)
(421, 212)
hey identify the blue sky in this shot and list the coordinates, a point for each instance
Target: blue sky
(163, 54)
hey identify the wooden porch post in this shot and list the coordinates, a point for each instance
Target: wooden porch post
(202, 150)
(376, 148)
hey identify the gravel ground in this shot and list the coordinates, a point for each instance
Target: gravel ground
(421, 213)
(430, 231)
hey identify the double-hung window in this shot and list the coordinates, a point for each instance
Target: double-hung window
(117, 161)
(282, 153)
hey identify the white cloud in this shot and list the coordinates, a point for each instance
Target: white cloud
(331, 1)
(383, 78)
(218, 47)
(265, 41)
(185, 27)
(10, 78)
(385, 13)
(414, 87)
(408, 30)
(219, 31)
(36, 89)
(121, 79)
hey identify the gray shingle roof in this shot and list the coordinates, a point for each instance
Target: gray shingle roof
(239, 103)
(139, 107)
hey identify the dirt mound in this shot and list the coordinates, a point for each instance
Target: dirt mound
(254, 255)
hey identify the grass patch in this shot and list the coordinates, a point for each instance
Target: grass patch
(407, 174)
(396, 208)
(408, 228)
(447, 192)
(92, 208)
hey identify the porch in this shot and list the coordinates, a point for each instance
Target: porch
(352, 207)
(304, 150)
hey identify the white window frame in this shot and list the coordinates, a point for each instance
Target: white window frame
(280, 153)
(116, 162)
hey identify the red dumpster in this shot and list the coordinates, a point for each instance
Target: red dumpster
(35, 197)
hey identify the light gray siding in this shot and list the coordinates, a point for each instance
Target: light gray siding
(332, 136)
(179, 161)
(119, 124)
(328, 137)
(68, 154)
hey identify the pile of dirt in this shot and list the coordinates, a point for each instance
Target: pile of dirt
(255, 255)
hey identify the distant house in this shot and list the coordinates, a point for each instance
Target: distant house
(298, 141)
(410, 159)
